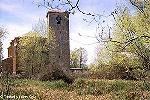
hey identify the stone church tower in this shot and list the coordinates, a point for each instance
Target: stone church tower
(58, 21)
(59, 68)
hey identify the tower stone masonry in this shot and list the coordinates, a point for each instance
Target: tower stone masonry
(58, 21)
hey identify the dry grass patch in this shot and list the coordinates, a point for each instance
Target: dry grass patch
(81, 89)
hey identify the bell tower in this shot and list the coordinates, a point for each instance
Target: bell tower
(58, 21)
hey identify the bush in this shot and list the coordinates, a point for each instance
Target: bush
(116, 67)
(107, 72)
(55, 84)
(103, 87)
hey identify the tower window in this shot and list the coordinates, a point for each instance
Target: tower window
(58, 19)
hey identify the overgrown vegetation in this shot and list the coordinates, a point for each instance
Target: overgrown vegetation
(128, 45)
(81, 88)
(31, 59)
(37, 55)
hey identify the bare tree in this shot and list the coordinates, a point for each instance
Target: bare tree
(3, 32)
(41, 28)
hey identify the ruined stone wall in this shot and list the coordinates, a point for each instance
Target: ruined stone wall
(7, 65)
(10, 63)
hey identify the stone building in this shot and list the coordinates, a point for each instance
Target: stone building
(58, 22)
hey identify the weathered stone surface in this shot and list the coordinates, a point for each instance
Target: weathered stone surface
(58, 21)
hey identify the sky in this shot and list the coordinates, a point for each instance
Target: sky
(18, 17)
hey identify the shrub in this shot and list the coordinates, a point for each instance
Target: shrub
(97, 87)
(55, 84)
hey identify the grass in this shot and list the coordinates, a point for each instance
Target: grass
(81, 89)
(45, 84)
(118, 89)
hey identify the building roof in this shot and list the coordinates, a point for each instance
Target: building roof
(56, 11)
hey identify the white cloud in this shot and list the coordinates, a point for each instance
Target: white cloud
(8, 7)
(21, 11)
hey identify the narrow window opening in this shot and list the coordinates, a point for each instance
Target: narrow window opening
(58, 20)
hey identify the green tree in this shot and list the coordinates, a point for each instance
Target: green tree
(129, 46)
(132, 32)
(78, 58)
(30, 54)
